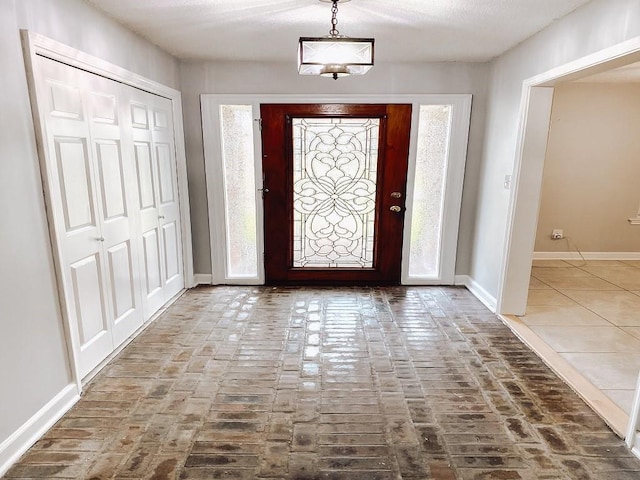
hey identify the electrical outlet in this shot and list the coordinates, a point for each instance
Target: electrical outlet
(556, 234)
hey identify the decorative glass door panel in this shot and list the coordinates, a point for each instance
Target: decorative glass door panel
(335, 165)
(334, 191)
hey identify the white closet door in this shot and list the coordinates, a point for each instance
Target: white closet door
(161, 248)
(111, 175)
(76, 211)
(114, 165)
(169, 206)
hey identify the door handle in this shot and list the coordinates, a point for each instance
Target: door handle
(395, 208)
(161, 217)
(396, 195)
(100, 239)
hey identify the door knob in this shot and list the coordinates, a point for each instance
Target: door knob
(396, 195)
(161, 217)
(395, 208)
(100, 239)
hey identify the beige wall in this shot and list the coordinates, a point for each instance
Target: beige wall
(591, 183)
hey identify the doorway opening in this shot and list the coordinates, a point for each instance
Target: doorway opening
(535, 118)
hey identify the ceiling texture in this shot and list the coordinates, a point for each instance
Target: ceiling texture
(405, 30)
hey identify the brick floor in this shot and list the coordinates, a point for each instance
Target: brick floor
(322, 383)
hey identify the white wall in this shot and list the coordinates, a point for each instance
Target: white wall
(591, 170)
(33, 356)
(593, 27)
(239, 78)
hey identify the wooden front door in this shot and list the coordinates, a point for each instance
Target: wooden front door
(334, 192)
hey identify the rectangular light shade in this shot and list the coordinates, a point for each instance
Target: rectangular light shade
(326, 55)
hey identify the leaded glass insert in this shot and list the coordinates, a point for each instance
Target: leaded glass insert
(334, 191)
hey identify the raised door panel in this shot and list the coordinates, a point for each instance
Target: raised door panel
(91, 314)
(111, 179)
(172, 260)
(103, 107)
(145, 177)
(167, 174)
(152, 258)
(76, 186)
(126, 312)
(65, 100)
(139, 115)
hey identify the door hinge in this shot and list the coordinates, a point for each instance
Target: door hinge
(259, 120)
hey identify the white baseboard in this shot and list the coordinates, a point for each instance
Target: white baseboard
(203, 279)
(479, 292)
(586, 255)
(635, 448)
(22, 439)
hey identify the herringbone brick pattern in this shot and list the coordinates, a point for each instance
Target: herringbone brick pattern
(324, 383)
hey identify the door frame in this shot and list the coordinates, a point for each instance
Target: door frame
(460, 123)
(35, 45)
(391, 165)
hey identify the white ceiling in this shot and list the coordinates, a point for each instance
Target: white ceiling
(405, 30)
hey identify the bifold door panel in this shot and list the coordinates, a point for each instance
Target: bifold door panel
(110, 175)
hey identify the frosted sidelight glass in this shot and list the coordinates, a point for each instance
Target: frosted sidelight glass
(434, 129)
(236, 132)
(334, 191)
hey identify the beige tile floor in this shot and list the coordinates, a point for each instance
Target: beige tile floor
(589, 313)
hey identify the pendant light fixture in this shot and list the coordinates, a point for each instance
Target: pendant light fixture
(335, 55)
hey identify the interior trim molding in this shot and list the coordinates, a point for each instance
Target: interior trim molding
(586, 256)
(478, 291)
(203, 279)
(30, 431)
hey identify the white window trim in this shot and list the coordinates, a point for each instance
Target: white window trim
(461, 112)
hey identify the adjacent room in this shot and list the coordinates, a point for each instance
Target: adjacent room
(583, 300)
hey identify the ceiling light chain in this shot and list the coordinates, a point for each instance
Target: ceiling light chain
(334, 19)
